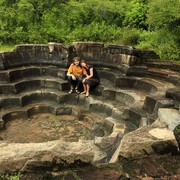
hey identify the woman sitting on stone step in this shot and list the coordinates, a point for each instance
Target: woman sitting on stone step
(75, 74)
(92, 79)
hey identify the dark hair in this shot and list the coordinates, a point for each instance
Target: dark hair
(83, 61)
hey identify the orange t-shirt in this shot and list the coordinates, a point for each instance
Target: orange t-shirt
(77, 70)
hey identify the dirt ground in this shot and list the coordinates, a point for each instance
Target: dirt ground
(47, 127)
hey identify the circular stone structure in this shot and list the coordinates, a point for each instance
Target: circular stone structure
(36, 125)
(43, 127)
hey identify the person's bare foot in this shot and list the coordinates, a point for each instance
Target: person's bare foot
(84, 92)
(87, 94)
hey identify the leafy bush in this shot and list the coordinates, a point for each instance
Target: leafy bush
(130, 36)
(177, 130)
(96, 31)
(162, 42)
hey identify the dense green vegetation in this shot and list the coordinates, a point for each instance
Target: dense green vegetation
(141, 23)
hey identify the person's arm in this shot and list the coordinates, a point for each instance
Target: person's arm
(84, 72)
(91, 73)
(69, 72)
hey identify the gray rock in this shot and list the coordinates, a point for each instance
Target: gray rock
(30, 156)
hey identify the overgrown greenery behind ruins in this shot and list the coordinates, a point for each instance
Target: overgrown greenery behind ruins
(141, 23)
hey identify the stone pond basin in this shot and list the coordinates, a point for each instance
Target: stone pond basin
(124, 129)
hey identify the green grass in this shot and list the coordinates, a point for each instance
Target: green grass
(6, 48)
(15, 176)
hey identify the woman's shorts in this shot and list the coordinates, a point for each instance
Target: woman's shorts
(92, 82)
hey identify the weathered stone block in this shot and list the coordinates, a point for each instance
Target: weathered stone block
(132, 117)
(1, 61)
(108, 126)
(50, 96)
(107, 75)
(109, 94)
(30, 98)
(4, 77)
(10, 102)
(51, 84)
(120, 49)
(125, 82)
(38, 109)
(173, 93)
(125, 98)
(15, 115)
(163, 103)
(101, 108)
(27, 85)
(1, 124)
(31, 72)
(136, 71)
(145, 86)
(149, 103)
(8, 89)
(63, 110)
(15, 75)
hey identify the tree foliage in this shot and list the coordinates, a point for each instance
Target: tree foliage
(163, 18)
(142, 23)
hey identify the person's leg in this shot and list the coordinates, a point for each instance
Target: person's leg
(78, 82)
(84, 87)
(70, 82)
(87, 90)
(90, 83)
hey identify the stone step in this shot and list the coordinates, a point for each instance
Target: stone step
(153, 103)
(161, 72)
(144, 84)
(164, 66)
(166, 74)
(33, 83)
(117, 110)
(132, 94)
(16, 74)
(41, 95)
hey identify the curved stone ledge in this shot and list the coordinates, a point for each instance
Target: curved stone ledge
(31, 156)
(39, 109)
(9, 102)
(108, 76)
(106, 125)
(14, 114)
(36, 55)
(138, 84)
(34, 84)
(12, 75)
(120, 96)
(129, 99)
(175, 79)
(59, 98)
(133, 118)
(120, 81)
